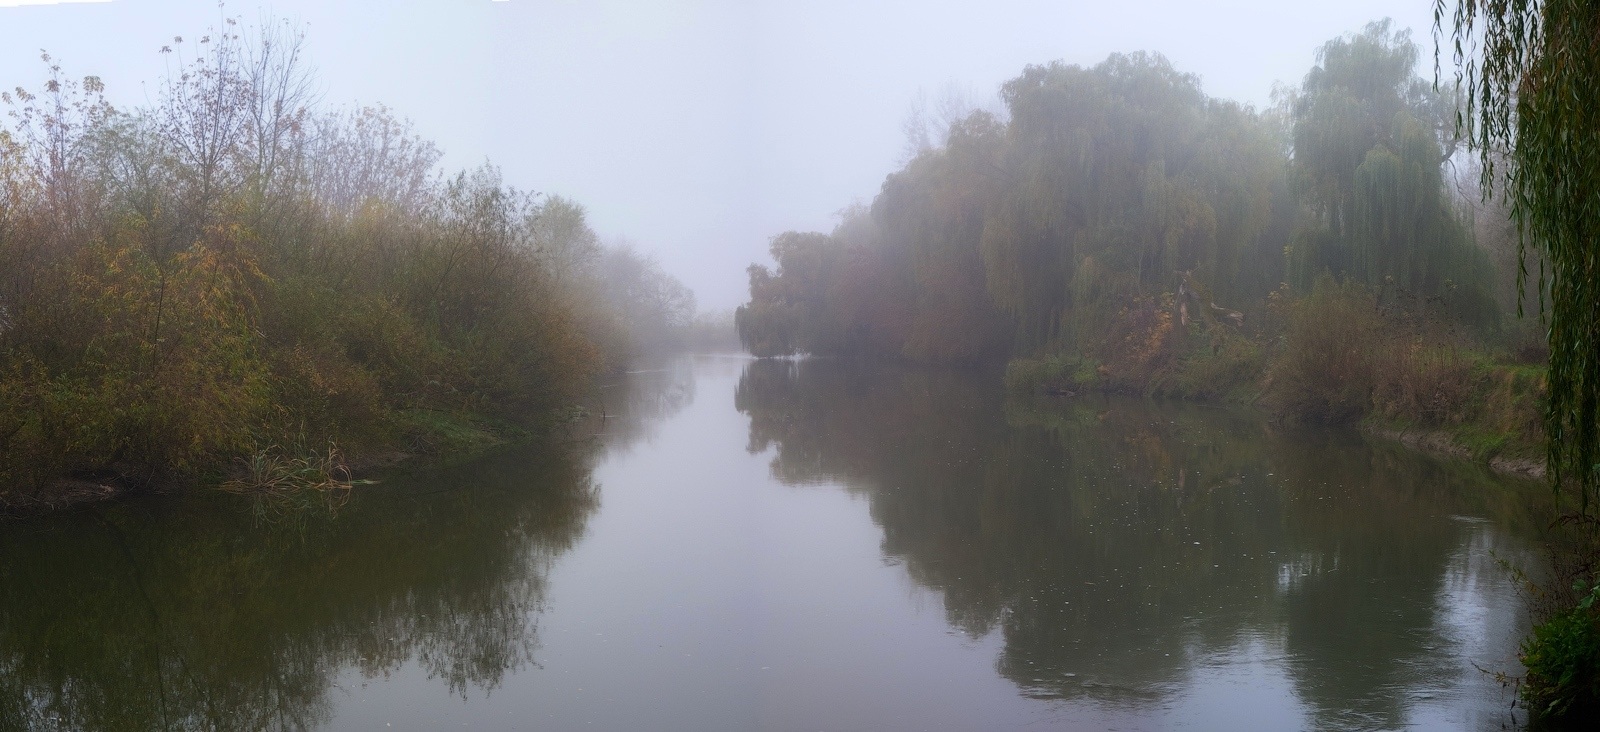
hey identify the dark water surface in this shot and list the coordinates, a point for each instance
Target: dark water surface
(802, 546)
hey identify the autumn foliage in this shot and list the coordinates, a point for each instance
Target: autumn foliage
(233, 271)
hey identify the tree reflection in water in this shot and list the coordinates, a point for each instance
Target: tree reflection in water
(1125, 552)
(1124, 547)
(187, 613)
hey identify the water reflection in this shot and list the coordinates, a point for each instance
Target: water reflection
(192, 614)
(1125, 564)
(1126, 550)
(631, 407)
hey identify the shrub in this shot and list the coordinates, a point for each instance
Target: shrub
(1563, 662)
(162, 313)
(1140, 341)
(1324, 371)
(1429, 385)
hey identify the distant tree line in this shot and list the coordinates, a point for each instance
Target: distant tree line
(235, 268)
(1120, 221)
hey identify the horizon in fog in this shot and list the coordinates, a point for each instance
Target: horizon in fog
(696, 131)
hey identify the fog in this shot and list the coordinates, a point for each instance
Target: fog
(696, 130)
(751, 364)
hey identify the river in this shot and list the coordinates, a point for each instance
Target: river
(801, 545)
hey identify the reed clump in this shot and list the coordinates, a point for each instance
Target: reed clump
(272, 470)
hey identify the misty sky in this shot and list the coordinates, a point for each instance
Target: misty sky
(697, 130)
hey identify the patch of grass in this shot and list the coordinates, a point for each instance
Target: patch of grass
(434, 432)
(1230, 367)
(1054, 373)
(1483, 443)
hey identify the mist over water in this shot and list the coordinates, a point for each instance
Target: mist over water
(751, 365)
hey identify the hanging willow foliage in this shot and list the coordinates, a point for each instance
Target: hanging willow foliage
(1531, 73)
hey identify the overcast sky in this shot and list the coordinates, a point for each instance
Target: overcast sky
(697, 130)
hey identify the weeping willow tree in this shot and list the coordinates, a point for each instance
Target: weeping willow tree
(1097, 192)
(1120, 178)
(1370, 143)
(1531, 73)
(1110, 201)
(932, 216)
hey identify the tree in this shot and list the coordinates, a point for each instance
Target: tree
(368, 155)
(933, 213)
(230, 268)
(1370, 143)
(1531, 75)
(277, 97)
(652, 307)
(51, 127)
(563, 239)
(1118, 178)
(204, 119)
(1036, 228)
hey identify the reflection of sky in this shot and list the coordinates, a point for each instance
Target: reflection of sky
(1253, 670)
(708, 595)
(1480, 621)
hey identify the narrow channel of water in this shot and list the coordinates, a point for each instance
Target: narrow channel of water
(802, 546)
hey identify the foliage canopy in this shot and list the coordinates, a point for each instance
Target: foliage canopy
(1531, 78)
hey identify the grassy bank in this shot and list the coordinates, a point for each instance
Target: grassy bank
(1493, 414)
(1339, 355)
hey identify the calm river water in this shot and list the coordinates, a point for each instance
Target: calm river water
(801, 546)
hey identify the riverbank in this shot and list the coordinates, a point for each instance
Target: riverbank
(426, 438)
(1341, 354)
(1451, 402)
(1507, 451)
(1451, 444)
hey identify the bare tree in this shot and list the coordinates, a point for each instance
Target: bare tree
(368, 155)
(203, 116)
(51, 128)
(279, 92)
(927, 125)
